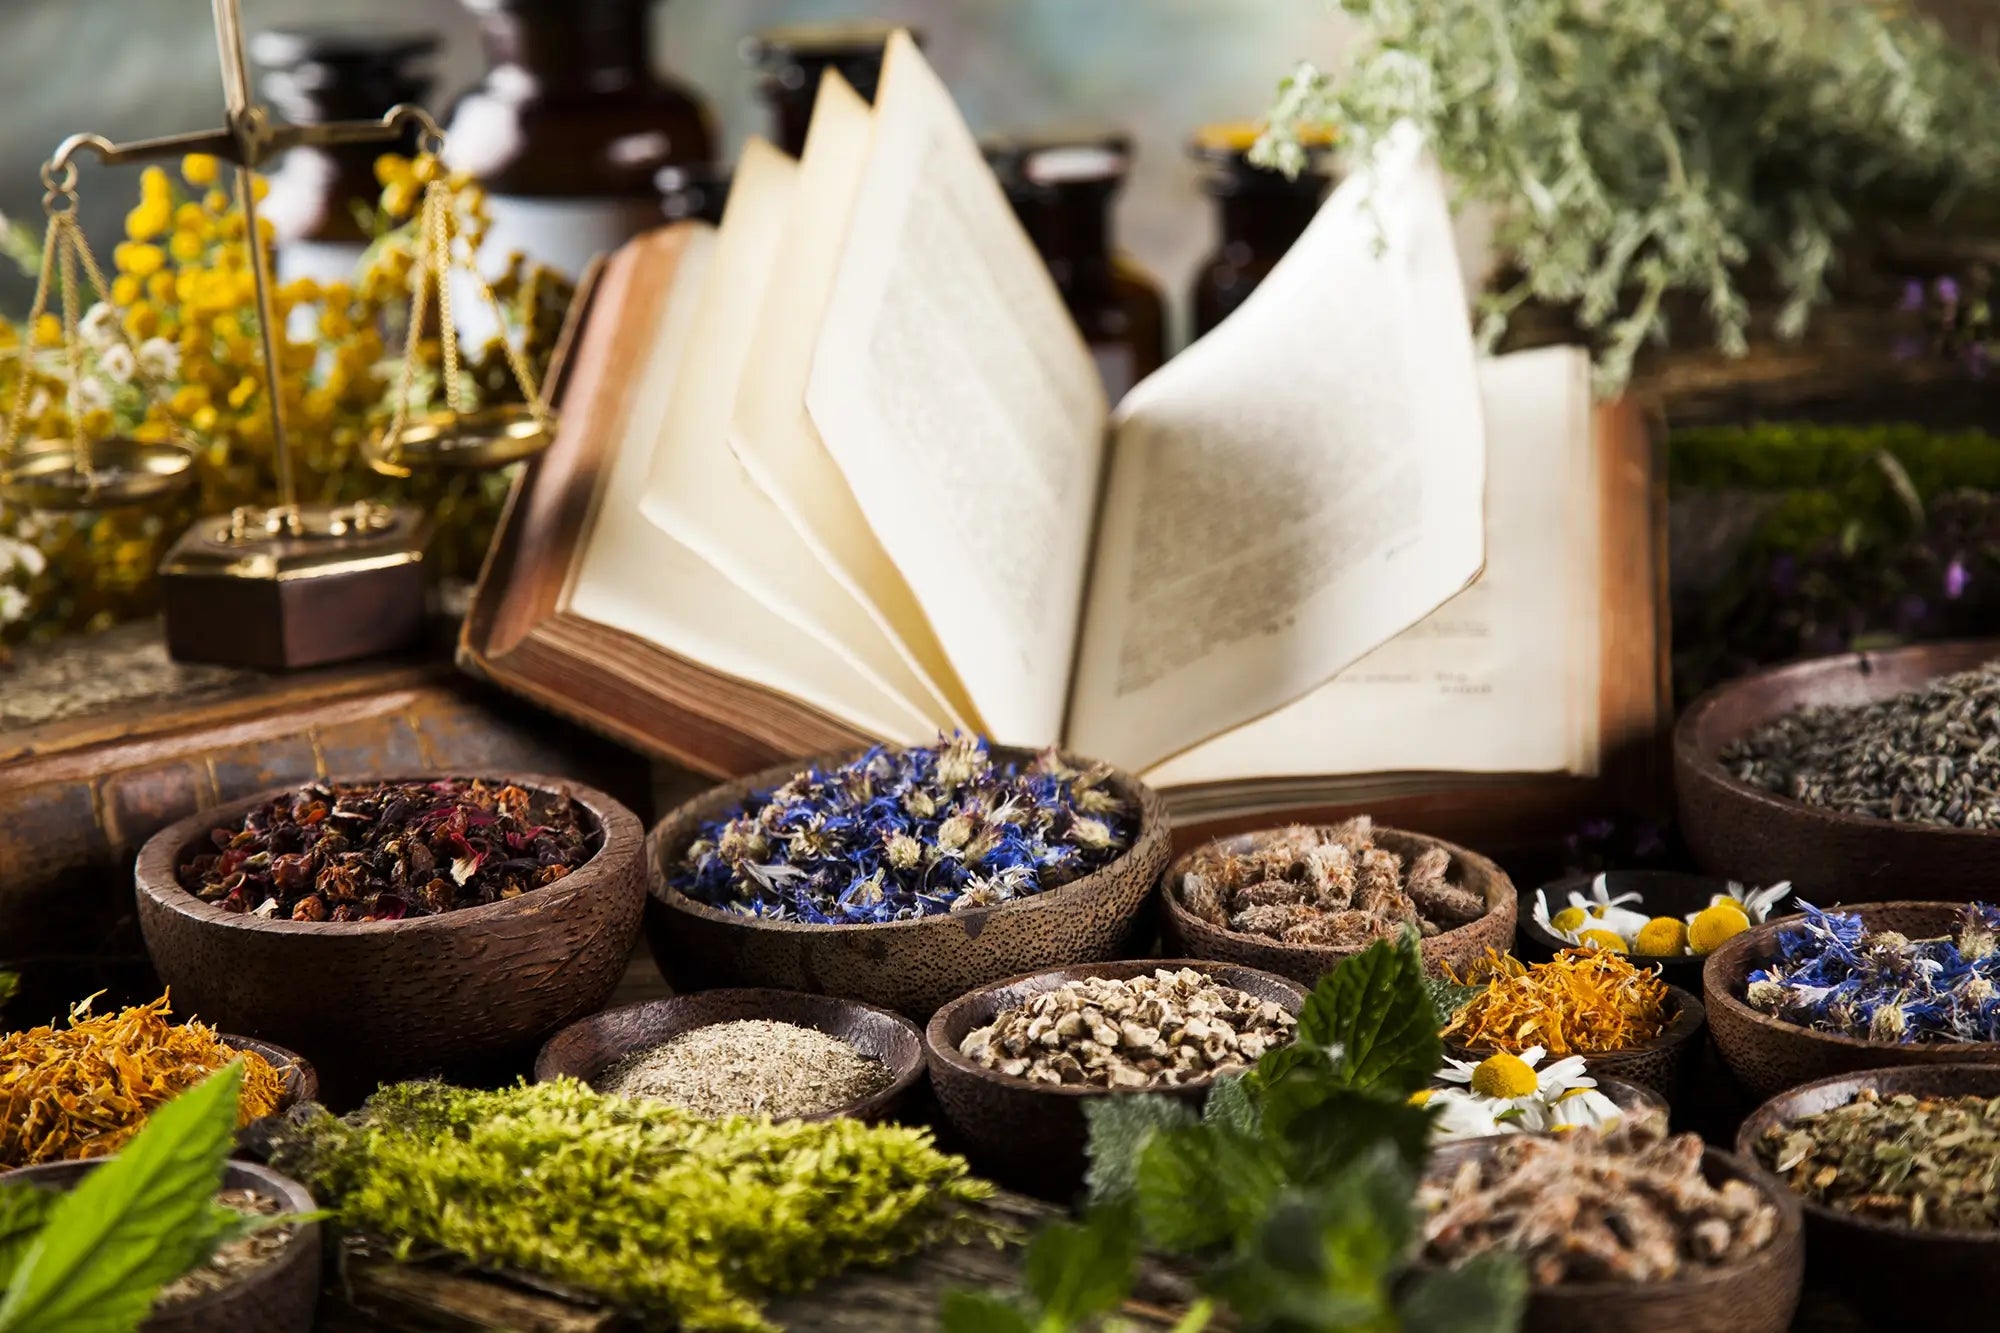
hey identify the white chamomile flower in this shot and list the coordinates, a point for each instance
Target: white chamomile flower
(118, 363)
(1457, 1114)
(1519, 1095)
(92, 393)
(99, 326)
(1757, 903)
(13, 604)
(159, 358)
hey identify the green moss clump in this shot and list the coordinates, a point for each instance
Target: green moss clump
(1804, 455)
(683, 1220)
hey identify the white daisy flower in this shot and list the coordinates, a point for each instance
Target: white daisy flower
(1582, 1108)
(99, 326)
(92, 393)
(1598, 911)
(118, 363)
(1460, 1115)
(13, 604)
(159, 358)
(1756, 903)
(1518, 1096)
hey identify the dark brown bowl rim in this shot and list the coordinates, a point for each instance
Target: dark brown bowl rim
(1688, 751)
(907, 1074)
(157, 872)
(1152, 824)
(1723, 989)
(1791, 1225)
(1499, 886)
(295, 1197)
(937, 1048)
(301, 1079)
(1687, 961)
(1688, 1016)
(1771, 1114)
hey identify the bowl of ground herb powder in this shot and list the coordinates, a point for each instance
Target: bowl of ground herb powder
(1898, 1173)
(1859, 778)
(905, 876)
(782, 1054)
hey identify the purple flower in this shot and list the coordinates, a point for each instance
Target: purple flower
(1913, 297)
(1947, 290)
(1955, 579)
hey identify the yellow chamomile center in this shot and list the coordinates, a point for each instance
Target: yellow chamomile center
(1663, 937)
(1609, 940)
(1504, 1075)
(1713, 925)
(1569, 918)
(1422, 1096)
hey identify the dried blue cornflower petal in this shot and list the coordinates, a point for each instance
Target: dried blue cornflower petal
(904, 833)
(1833, 975)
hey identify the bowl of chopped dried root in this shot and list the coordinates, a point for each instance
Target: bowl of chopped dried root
(1298, 900)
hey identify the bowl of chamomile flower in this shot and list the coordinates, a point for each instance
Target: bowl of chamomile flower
(1662, 918)
(1529, 1094)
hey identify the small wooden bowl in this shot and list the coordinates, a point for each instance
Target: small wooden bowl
(1671, 893)
(1898, 1275)
(379, 1000)
(1660, 1064)
(301, 1079)
(584, 1050)
(909, 966)
(1757, 1295)
(1187, 934)
(279, 1297)
(1745, 833)
(1768, 1055)
(1032, 1135)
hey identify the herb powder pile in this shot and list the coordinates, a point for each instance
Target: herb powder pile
(685, 1221)
(1919, 1161)
(749, 1067)
(1582, 1002)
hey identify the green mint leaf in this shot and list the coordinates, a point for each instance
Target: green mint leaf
(1078, 1271)
(24, 1209)
(1375, 1008)
(1120, 1128)
(133, 1224)
(1345, 1127)
(1199, 1185)
(982, 1312)
(1231, 1105)
(1448, 997)
(1483, 1295)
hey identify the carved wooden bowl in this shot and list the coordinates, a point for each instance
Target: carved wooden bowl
(1758, 1294)
(1768, 1055)
(1900, 1276)
(278, 1297)
(379, 1000)
(586, 1049)
(301, 1079)
(913, 966)
(1666, 893)
(1458, 949)
(1661, 1064)
(1032, 1135)
(1745, 833)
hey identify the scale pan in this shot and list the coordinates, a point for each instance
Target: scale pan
(478, 441)
(44, 474)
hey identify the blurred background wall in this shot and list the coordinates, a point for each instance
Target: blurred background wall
(130, 68)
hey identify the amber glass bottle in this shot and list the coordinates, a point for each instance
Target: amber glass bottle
(790, 60)
(570, 127)
(1261, 213)
(1062, 186)
(312, 75)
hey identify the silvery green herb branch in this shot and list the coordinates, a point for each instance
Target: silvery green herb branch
(1293, 1190)
(1645, 150)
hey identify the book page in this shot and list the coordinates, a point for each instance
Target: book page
(633, 577)
(962, 406)
(1297, 487)
(700, 495)
(1491, 680)
(770, 431)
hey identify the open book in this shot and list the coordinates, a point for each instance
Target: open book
(841, 469)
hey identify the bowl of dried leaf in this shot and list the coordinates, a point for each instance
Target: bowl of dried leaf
(1015, 1064)
(1298, 900)
(1898, 1173)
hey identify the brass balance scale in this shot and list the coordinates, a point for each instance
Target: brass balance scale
(291, 585)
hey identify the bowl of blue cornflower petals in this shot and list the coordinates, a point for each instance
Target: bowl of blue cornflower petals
(905, 876)
(1878, 986)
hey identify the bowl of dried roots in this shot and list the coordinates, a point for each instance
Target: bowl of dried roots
(1298, 900)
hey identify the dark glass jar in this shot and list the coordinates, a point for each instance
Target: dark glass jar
(317, 74)
(789, 61)
(1061, 186)
(693, 193)
(1260, 214)
(570, 127)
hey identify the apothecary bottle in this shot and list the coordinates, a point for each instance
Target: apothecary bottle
(316, 74)
(1260, 212)
(789, 61)
(1062, 186)
(570, 127)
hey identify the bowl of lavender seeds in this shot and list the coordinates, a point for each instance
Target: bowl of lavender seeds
(1860, 778)
(904, 877)
(395, 927)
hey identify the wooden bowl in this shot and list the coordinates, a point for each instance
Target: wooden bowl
(1759, 1294)
(279, 1297)
(909, 966)
(375, 1001)
(1902, 1276)
(1671, 893)
(301, 1079)
(1661, 1064)
(585, 1049)
(1745, 833)
(1032, 1135)
(1185, 933)
(1768, 1055)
